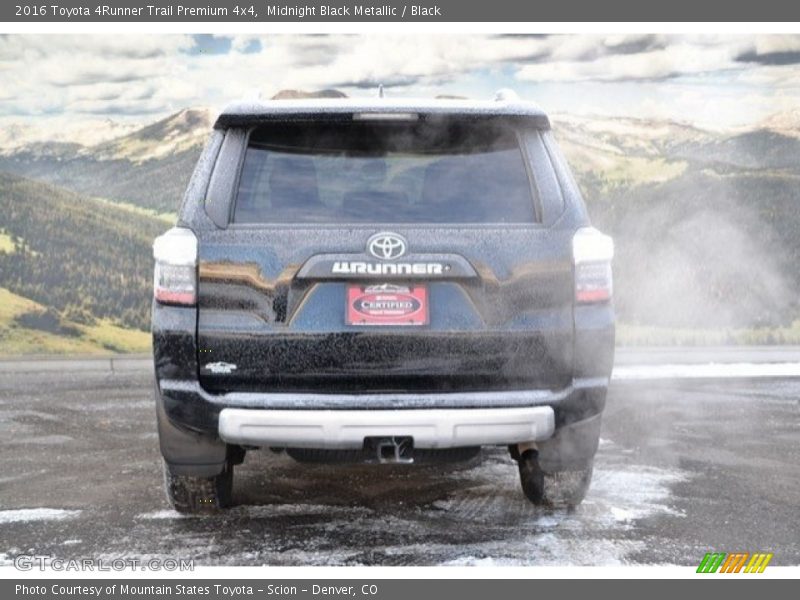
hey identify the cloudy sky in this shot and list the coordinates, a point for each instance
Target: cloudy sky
(711, 81)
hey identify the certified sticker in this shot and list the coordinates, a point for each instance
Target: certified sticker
(387, 304)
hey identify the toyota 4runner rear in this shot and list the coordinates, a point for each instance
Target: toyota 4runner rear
(383, 281)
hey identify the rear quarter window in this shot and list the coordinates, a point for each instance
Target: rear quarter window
(425, 171)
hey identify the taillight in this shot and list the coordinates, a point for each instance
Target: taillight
(592, 252)
(175, 280)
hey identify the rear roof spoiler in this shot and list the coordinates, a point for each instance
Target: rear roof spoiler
(252, 112)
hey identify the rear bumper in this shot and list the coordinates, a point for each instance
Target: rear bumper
(197, 429)
(342, 429)
(188, 406)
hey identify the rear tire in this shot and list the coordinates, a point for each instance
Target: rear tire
(199, 495)
(561, 489)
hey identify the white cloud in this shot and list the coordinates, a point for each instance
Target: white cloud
(240, 43)
(766, 44)
(678, 59)
(85, 77)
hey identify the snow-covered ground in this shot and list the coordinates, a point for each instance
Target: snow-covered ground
(706, 371)
(684, 465)
(432, 515)
(26, 515)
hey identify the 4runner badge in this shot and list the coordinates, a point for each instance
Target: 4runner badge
(387, 246)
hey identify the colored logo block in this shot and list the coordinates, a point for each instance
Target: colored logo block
(737, 562)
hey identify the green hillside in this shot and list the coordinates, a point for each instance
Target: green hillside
(101, 337)
(86, 259)
(157, 184)
(705, 224)
(705, 250)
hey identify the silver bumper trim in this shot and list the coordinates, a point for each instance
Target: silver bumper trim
(430, 428)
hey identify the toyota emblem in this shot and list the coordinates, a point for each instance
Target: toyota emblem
(387, 246)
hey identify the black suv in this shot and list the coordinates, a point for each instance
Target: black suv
(381, 280)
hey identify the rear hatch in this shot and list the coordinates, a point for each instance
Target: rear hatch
(390, 253)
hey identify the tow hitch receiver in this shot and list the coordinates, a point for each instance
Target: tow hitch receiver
(391, 450)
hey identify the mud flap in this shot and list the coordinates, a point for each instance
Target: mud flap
(572, 448)
(187, 452)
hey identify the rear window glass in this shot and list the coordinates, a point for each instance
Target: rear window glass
(425, 171)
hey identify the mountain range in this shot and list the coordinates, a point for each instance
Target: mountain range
(705, 222)
(148, 166)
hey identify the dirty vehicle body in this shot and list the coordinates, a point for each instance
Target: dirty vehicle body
(381, 281)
